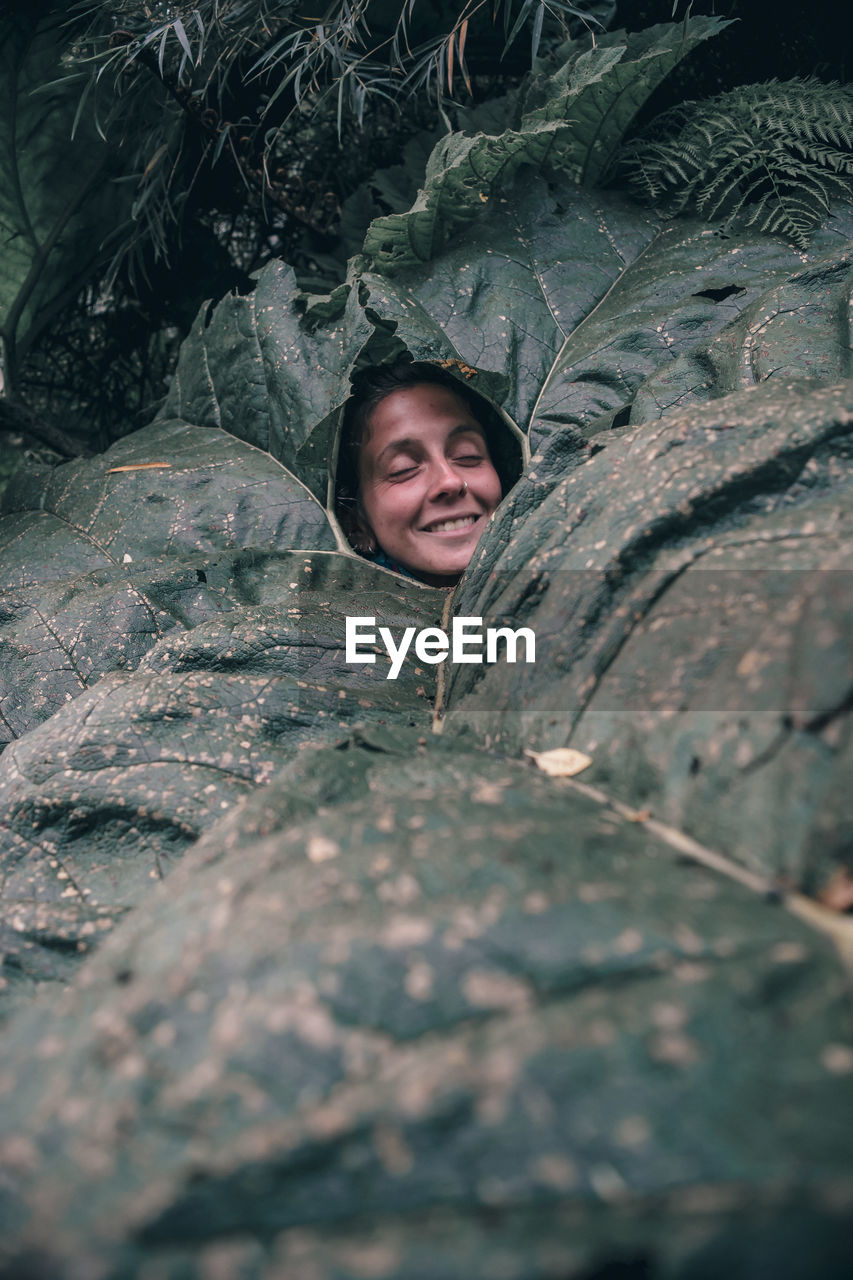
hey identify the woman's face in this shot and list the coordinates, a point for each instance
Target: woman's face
(427, 483)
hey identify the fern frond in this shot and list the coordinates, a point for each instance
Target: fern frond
(773, 155)
(827, 157)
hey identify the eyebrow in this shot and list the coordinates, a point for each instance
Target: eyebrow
(408, 441)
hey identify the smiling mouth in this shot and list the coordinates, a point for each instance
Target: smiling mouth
(455, 525)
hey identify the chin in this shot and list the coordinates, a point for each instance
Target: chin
(447, 562)
(451, 567)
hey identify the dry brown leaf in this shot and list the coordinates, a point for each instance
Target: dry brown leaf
(138, 466)
(562, 762)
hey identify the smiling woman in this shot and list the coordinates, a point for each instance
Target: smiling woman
(417, 479)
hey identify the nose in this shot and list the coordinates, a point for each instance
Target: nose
(445, 480)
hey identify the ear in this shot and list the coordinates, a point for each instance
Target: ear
(363, 537)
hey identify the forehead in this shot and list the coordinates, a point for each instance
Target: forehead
(416, 411)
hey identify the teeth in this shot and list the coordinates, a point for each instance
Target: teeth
(446, 525)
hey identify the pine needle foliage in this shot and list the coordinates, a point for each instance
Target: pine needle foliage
(770, 156)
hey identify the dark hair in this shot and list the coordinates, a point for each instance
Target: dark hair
(370, 388)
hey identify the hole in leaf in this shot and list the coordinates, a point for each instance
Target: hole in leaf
(720, 295)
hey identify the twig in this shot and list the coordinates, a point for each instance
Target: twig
(837, 927)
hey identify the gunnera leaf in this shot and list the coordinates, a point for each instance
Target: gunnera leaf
(253, 368)
(569, 299)
(101, 558)
(571, 120)
(455, 982)
(689, 591)
(241, 666)
(603, 85)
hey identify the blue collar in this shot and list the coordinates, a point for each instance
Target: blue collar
(385, 562)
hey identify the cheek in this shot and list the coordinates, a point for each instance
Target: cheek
(388, 506)
(490, 490)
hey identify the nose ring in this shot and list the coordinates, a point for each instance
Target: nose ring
(465, 487)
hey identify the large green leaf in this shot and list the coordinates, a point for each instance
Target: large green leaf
(601, 90)
(572, 120)
(417, 1010)
(229, 664)
(690, 591)
(157, 618)
(58, 205)
(102, 557)
(254, 369)
(571, 298)
(461, 175)
(766, 341)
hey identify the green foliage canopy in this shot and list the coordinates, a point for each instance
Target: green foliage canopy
(59, 211)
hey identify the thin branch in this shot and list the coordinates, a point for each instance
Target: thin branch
(835, 926)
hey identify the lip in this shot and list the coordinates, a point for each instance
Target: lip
(473, 516)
